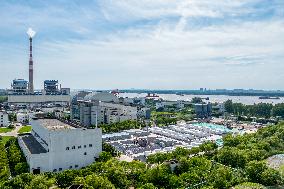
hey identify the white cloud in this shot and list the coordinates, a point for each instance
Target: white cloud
(168, 53)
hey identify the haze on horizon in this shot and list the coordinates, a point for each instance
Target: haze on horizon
(161, 44)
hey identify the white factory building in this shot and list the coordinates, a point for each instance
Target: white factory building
(4, 119)
(55, 146)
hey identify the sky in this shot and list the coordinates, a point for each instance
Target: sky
(145, 44)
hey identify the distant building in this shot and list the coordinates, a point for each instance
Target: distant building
(203, 110)
(101, 96)
(55, 146)
(140, 100)
(92, 112)
(19, 87)
(22, 118)
(220, 107)
(51, 87)
(34, 100)
(161, 105)
(144, 113)
(75, 109)
(4, 119)
(106, 108)
(3, 92)
(20, 96)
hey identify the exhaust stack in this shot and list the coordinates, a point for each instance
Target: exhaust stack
(31, 34)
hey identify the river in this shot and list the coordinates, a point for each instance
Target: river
(248, 100)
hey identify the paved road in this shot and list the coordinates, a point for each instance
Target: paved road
(13, 133)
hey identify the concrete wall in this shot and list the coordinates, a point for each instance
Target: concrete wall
(78, 138)
(38, 98)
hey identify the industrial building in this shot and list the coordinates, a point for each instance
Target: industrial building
(54, 145)
(19, 87)
(75, 110)
(105, 108)
(4, 119)
(92, 112)
(203, 110)
(38, 100)
(51, 87)
(22, 92)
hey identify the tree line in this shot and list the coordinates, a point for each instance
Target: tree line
(264, 110)
(12, 160)
(119, 126)
(240, 162)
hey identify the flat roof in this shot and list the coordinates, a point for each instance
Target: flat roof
(54, 124)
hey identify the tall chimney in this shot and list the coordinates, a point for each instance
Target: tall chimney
(31, 69)
(31, 34)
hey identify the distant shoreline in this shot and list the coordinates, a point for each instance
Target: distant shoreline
(212, 92)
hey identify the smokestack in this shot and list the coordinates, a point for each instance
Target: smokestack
(31, 34)
(31, 69)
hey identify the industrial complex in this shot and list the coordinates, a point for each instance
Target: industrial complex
(22, 92)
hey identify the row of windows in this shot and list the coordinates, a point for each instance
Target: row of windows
(70, 167)
(74, 147)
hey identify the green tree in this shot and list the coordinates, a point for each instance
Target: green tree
(221, 177)
(229, 106)
(66, 178)
(270, 177)
(158, 175)
(278, 110)
(254, 170)
(104, 156)
(148, 186)
(21, 167)
(4, 166)
(40, 182)
(232, 156)
(94, 182)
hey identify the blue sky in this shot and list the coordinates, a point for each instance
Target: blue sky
(161, 44)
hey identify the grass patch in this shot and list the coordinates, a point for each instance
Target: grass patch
(5, 130)
(4, 139)
(25, 129)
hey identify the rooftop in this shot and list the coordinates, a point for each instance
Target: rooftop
(33, 145)
(54, 124)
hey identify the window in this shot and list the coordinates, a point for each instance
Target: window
(70, 167)
(90, 145)
(76, 166)
(79, 147)
(85, 146)
(85, 153)
(67, 148)
(54, 170)
(73, 147)
(60, 169)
